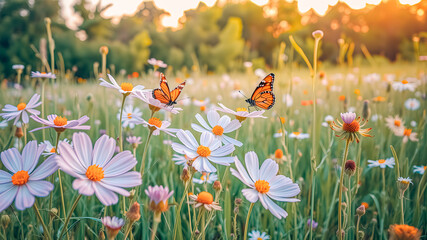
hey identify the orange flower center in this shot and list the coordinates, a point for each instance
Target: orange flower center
(129, 115)
(404, 81)
(126, 86)
(397, 123)
(278, 153)
(153, 108)
(241, 110)
(407, 132)
(21, 106)
(352, 127)
(262, 186)
(405, 232)
(381, 161)
(155, 122)
(203, 108)
(20, 178)
(52, 150)
(218, 130)
(205, 198)
(282, 120)
(162, 206)
(357, 91)
(342, 98)
(60, 121)
(203, 151)
(95, 173)
(296, 133)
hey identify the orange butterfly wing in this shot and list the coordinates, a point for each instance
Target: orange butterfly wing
(175, 93)
(265, 100)
(164, 95)
(265, 85)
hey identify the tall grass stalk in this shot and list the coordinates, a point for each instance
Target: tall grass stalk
(247, 221)
(341, 188)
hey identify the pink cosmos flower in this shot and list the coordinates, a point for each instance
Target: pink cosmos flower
(21, 110)
(348, 117)
(25, 181)
(159, 196)
(157, 63)
(61, 123)
(42, 75)
(96, 170)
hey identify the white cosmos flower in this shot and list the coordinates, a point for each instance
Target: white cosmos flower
(257, 235)
(404, 85)
(412, 104)
(124, 88)
(206, 178)
(21, 110)
(218, 126)
(241, 114)
(420, 169)
(181, 160)
(209, 150)
(265, 184)
(129, 112)
(50, 149)
(299, 135)
(156, 125)
(382, 163)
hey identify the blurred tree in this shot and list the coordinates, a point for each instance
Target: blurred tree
(140, 51)
(94, 25)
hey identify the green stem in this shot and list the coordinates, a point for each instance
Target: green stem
(120, 123)
(157, 219)
(383, 176)
(178, 210)
(128, 230)
(39, 217)
(341, 187)
(357, 227)
(43, 103)
(247, 221)
(402, 221)
(64, 228)
(141, 169)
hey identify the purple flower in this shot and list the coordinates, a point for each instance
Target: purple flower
(134, 140)
(61, 123)
(314, 224)
(21, 110)
(96, 170)
(348, 117)
(159, 196)
(25, 180)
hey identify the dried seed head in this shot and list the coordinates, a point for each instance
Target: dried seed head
(238, 201)
(350, 168)
(134, 212)
(5, 220)
(53, 212)
(360, 211)
(185, 175)
(217, 186)
(19, 133)
(366, 113)
(101, 235)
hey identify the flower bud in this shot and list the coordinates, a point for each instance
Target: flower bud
(350, 168)
(19, 133)
(360, 211)
(5, 220)
(101, 235)
(238, 201)
(342, 234)
(217, 186)
(47, 21)
(103, 50)
(236, 210)
(185, 175)
(361, 234)
(134, 212)
(131, 194)
(53, 212)
(278, 153)
(318, 34)
(366, 110)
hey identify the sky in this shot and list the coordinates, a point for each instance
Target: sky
(177, 7)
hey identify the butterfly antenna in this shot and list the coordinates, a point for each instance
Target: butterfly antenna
(242, 94)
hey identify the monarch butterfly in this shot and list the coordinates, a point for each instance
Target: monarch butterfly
(263, 95)
(164, 95)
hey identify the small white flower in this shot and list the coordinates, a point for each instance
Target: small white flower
(257, 235)
(156, 125)
(209, 150)
(299, 135)
(288, 100)
(218, 126)
(125, 88)
(22, 110)
(43, 75)
(264, 184)
(128, 116)
(157, 63)
(18, 66)
(206, 178)
(404, 180)
(420, 169)
(382, 163)
(412, 104)
(404, 85)
(50, 149)
(241, 114)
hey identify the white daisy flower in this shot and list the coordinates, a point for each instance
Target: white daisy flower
(407, 134)
(299, 135)
(50, 149)
(404, 85)
(420, 169)
(241, 114)
(395, 124)
(206, 178)
(181, 160)
(257, 235)
(156, 125)
(265, 184)
(412, 104)
(209, 150)
(404, 180)
(129, 112)
(382, 163)
(124, 88)
(21, 110)
(204, 199)
(3, 124)
(218, 126)
(42, 75)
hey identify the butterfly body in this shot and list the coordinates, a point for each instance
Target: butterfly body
(164, 95)
(263, 96)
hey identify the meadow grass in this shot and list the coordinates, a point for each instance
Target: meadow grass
(102, 106)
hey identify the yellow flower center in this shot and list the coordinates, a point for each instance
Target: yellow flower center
(20, 178)
(52, 150)
(129, 115)
(282, 120)
(240, 118)
(397, 123)
(218, 130)
(259, 238)
(95, 173)
(381, 161)
(241, 110)
(262, 186)
(60, 121)
(205, 198)
(352, 127)
(160, 207)
(404, 81)
(127, 87)
(278, 153)
(203, 108)
(296, 133)
(404, 181)
(155, 122)
(21, 106)
(407, 132)
(203, 151)
(357, 91)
